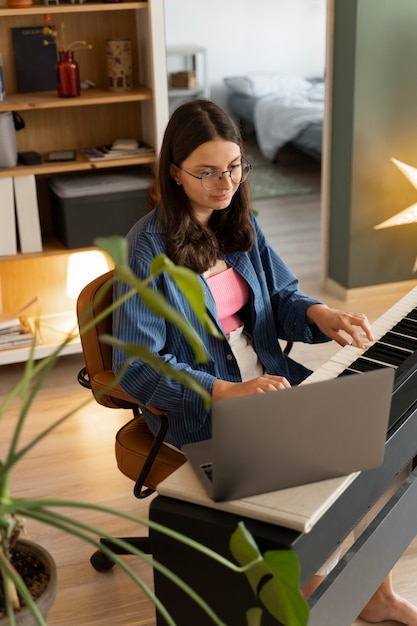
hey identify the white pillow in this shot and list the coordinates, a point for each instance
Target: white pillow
(263, 84)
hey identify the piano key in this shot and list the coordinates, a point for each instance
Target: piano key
(395, 339)
(386, 354)
(364, 365)
(407, 327)
(412, 314)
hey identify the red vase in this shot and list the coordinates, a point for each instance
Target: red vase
(68, 75)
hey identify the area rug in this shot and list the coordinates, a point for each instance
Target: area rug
(267, 181)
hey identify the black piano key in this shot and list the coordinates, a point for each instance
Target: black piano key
(406, 327)
(412, 314)
(386, 354)
(347, 372)
(363, 365)
(394, 339)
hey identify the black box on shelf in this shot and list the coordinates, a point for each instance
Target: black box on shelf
(97, 204)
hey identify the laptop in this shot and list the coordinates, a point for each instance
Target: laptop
(308, 433)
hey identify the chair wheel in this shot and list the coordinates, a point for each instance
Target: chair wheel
(101, 562)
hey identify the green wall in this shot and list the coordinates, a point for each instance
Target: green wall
(374, 118)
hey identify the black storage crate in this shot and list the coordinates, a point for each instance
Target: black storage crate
(97, 204)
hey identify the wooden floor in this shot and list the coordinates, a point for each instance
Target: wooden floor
(77, 461)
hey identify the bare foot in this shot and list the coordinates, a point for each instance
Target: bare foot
(386, 605)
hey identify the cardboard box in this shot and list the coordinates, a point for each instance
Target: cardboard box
(97, 204)
(184, 80)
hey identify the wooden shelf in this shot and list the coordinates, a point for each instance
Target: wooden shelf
(97, 117)
(80, 164)
(88, 97)
(43, 9)
(51, 247)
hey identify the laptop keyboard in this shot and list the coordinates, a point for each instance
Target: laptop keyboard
(208, 470)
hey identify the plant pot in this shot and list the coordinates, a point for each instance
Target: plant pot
(31, 551)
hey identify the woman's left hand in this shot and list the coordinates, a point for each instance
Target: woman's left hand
(332, 321)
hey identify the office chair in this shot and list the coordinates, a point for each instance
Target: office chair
(140, 455)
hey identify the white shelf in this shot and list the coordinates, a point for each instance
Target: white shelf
(52, 330)
(187, 58)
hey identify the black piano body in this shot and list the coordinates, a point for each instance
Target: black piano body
(348, 587)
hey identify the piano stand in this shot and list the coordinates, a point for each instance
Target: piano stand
(347, 589)
(339, 599)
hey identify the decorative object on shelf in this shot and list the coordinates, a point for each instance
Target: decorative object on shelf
(67, 75)
(184, 80)
(19, 4)
(58, 35)
(67, 69)
(119, 64)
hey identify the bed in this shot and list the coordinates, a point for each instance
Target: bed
(282, 108)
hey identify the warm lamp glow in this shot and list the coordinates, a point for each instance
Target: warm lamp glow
(83, 267)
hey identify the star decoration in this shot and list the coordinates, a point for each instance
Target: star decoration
(409, 215)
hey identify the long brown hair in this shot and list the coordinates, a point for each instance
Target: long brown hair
(189, 243)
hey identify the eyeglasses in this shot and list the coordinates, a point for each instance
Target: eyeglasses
(213, 178)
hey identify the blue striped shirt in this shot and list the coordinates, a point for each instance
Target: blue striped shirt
(277, 310)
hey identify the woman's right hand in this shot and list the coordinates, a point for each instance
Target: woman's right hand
(223, 389)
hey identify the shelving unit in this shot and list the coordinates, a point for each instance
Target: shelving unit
(188, 58)
(97, 117)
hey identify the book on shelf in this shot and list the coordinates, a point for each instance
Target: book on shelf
(125, 144)
(35, 61)
(16, 333)
(107, 152)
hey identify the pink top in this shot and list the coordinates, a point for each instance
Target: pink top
(230, 292)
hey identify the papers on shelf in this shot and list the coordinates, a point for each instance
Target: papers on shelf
(108, 152)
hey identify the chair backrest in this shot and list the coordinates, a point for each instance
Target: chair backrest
(140, 455)
(94, 299)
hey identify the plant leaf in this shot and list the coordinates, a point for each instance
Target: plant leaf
(159, 365)
(116, 247)
(189, 283)
(158, 304)
(274, 578)
(254, 616)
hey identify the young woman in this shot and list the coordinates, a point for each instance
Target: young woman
(203, 221)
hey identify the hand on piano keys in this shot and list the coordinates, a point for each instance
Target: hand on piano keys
(395, 334)
(338, 324)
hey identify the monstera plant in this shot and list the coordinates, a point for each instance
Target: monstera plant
(279, 595)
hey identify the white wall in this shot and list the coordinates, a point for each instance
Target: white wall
(243, 36)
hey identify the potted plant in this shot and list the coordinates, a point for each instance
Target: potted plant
(280, 595)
